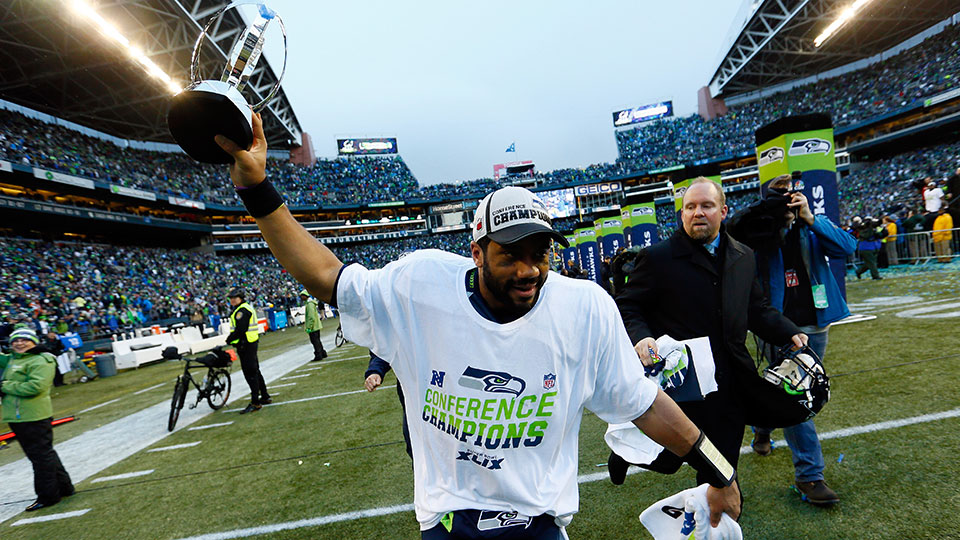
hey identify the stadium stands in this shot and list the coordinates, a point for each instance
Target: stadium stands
(893, 83)
(96, 289)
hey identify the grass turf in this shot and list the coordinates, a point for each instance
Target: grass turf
(898, 483)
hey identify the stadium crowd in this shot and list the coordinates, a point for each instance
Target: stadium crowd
(98, 290)
(893, 83)
(882, 87)
(890, 186)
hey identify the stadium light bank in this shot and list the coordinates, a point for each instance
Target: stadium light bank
(85, 10)
(845, 16)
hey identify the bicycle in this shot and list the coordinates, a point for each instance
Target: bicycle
(215, 386)
(339, 340)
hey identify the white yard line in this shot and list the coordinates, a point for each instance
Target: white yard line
(91, 452)
(174, 447)
(301, 400)
(582, 479)
(311, 368)
(51, 517)
(312, 522)
(295, 377)
(138, 392)
(272, 386)
(88, 409)
(208, 426)
(121, 476)
(344, 359)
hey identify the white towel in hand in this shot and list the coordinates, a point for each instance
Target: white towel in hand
(686, 516)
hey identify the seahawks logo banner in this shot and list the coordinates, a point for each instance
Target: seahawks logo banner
(611, 233)
(588, 249)
(803, 143)
(639, 216)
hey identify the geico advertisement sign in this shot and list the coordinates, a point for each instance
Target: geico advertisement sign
(596, 189)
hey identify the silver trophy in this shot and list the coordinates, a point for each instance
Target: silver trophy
(207, 108)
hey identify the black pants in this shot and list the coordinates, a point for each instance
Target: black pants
(403, 415)
(318, 352)
(869, 258)
(251, 371)
(50, 479)
(484, 524)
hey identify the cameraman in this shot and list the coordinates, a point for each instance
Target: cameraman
(797, 278)
(871, 233)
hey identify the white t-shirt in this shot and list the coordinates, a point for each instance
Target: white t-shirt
(933, 199)
(493, 409)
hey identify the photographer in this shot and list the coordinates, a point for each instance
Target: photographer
(807, 294)
(871, 233)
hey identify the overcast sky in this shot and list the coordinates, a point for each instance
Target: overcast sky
(458, 82)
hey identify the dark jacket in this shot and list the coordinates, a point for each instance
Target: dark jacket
(377, 366)
(677, 288)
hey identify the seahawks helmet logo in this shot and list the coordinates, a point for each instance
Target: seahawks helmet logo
(496, 382)
(771, 155)
(803, 147)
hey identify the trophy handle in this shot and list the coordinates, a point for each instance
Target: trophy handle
(195, 57)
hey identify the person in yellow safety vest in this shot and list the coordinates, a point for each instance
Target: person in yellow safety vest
(890, 242)
(245, 336)
(312, 325)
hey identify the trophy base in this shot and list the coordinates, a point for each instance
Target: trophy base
(207, 109)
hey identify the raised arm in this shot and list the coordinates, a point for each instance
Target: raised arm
(307, 260)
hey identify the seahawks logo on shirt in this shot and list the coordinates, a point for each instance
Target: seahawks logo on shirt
(492, 381)
(490, 519)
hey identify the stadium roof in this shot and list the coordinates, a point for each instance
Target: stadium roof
(54, 61)
(776, 43)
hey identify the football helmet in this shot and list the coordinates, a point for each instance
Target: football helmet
(800, 373)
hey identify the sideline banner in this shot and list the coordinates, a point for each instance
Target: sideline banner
(804, 144)
(588, 249)
(643, 220)
(570, 253)
(611, 231)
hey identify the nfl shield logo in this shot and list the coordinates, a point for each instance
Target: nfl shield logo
(549, 380)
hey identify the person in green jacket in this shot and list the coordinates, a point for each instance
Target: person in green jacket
(26, 406)
(312, 325)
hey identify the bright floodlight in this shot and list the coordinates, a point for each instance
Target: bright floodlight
(110, 31)
(845, 16)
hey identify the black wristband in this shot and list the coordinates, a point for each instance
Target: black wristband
(261, 199)
(704, 457)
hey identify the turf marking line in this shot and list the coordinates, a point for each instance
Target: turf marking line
(301, 400)
(272, 386)
(122, 476)
(197, 428)
(295, 377)
(312, 522)
(51, 517)
(88, 409)
(582, 479)
(312, 368)
(138, 392)
(174, 447)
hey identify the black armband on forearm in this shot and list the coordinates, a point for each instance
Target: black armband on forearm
(704, 457)
(261, 200)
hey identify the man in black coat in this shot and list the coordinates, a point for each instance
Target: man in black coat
(701, 282)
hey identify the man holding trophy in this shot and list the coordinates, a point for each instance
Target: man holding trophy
(462, 490)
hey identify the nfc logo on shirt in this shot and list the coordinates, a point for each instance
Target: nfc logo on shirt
(437, 378)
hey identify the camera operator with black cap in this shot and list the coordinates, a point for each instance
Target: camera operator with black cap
(796, 276)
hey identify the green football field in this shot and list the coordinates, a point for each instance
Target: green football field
(334, 466)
